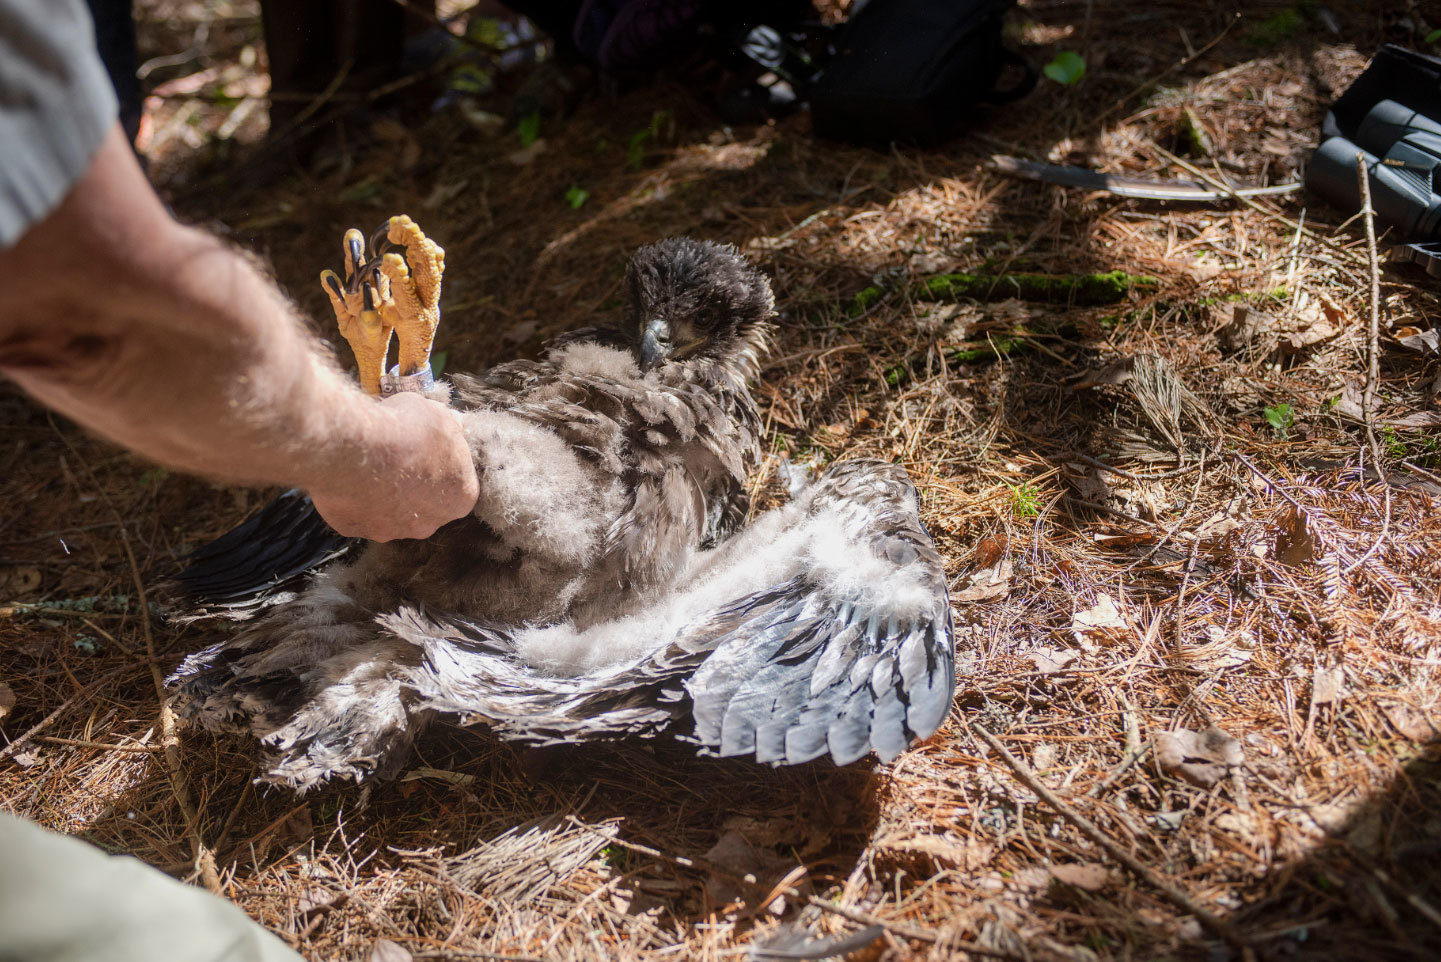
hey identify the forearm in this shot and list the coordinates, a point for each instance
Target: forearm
(205, 369)
(162, 339)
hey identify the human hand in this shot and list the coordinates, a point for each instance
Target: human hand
(417, 474)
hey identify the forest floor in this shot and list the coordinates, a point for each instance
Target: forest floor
(1191, 531)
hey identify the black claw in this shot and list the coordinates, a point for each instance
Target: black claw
(367, 296)
(381, 244)
(356, 258)
(380, 239)
(333, 282)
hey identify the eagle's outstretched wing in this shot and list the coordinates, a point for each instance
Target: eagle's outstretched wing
(823, 628)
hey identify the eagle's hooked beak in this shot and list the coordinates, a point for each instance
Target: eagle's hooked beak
(654, 343)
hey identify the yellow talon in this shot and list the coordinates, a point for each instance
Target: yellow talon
(412, 306)
(354, 303)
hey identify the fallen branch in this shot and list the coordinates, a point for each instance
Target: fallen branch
(855, 915)
(1212, 922)
(204, 858)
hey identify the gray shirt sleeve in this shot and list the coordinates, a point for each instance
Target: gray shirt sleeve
(64, 901)
(56, 104)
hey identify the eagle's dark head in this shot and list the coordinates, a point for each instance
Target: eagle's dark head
(695, 299)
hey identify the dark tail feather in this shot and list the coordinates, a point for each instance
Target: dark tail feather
(257, 564)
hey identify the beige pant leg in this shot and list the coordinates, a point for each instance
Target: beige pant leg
(62, 900)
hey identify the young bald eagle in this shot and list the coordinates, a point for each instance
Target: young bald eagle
(599, 588)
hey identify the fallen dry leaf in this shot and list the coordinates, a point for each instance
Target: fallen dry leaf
(1328, 685)
(1102, 624)
(986, 584)
(1048, 661)
(1410, 723)
(1294, 542)
(1244, 328)
(1348, 403)
(1415, 339)
(1221, 650)
(1114, 374)
(803, 836)
(1202, 758)
(1215, 527)
(385, 950)
(739, 859)
(1307, 326)
(317, 899)
(1289, 331)
(1087, 877)
(19, 580)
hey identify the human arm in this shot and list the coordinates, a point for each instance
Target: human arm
(164, 340)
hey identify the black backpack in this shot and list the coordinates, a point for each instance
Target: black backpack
(910, 70)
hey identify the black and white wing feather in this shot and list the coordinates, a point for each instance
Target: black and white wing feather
(824, 628)
(262, 562)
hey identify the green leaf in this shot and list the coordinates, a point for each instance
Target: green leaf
(487, 32)
(528, 129)
(1280, 417)
(1433, 37)
(576, 195)
(1025, 500)
(437, 364)
(1068, 68)
(635, 149)
(1276, 30)
(469, 78)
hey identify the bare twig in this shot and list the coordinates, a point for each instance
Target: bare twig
(1173, 473)
(1373, 354)
(1212, 922)
(44, 723)
(855, 915)
(1152, 81)
(1269, 214)
(1373, 357)
(204, 864)
(83, 743)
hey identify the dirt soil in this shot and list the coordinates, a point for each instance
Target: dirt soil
(1192, 531)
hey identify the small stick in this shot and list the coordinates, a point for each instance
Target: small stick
(82, 743)
(1175, 896)
(204, 859)
(1373, 355)
(1270, 215)
(1174, 472)
(854, 915)
(44, 723)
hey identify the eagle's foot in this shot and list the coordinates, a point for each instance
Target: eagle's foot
(408, 268)
(362, 322)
